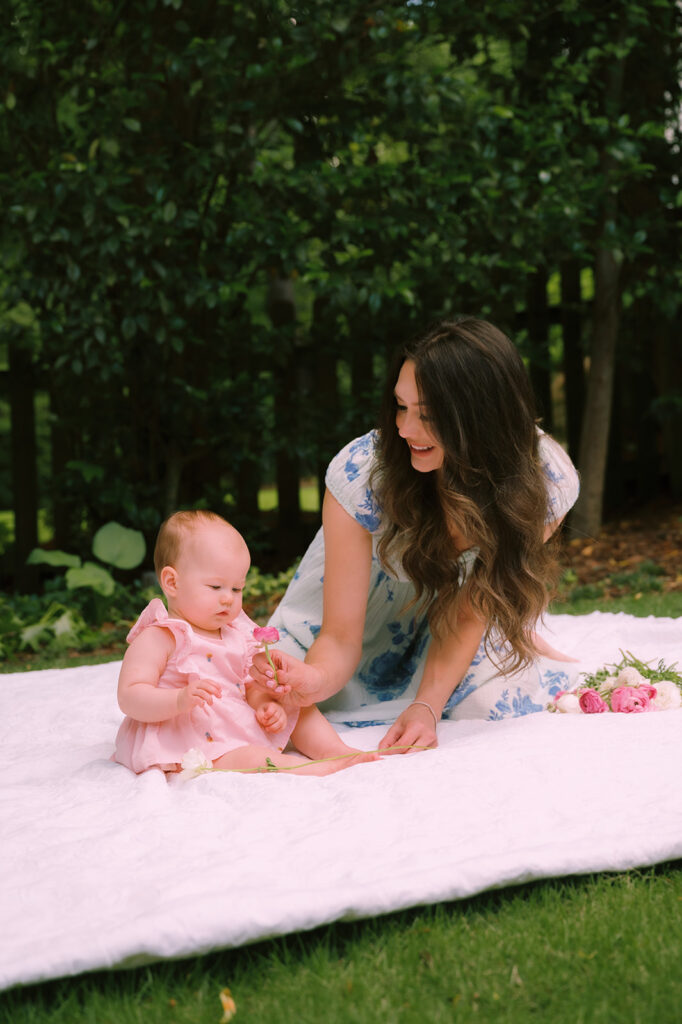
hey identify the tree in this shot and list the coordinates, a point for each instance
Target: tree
(173, 171)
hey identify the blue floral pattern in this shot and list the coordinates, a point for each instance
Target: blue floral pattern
(396, 640)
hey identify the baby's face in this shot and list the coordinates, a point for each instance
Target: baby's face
(209, 578)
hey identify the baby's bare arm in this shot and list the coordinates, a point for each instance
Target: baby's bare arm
(139, 695)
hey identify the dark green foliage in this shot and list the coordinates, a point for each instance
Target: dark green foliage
(219, 216)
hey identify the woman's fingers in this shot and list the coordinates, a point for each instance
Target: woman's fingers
(406, 735)
(261, 672)
(391, 737)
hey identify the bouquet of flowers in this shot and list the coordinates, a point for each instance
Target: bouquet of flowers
(630, 687)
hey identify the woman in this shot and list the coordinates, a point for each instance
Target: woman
(420, 594)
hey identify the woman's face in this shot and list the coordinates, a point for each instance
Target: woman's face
(412, 421)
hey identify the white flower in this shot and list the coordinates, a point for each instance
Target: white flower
(630, 677)
(668, 695)
(608, 684)
(568, 703)
(194, 762)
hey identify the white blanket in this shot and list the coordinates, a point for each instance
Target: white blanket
(101, 868)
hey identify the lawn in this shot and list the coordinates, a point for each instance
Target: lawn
(591, 949)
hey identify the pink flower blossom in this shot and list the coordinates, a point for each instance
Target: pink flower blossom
(591, 703)
(633, 699)
(266, 634)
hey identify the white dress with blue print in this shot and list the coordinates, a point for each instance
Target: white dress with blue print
(395, 641)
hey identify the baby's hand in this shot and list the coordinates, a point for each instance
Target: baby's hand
(271, 716)
(197, 693)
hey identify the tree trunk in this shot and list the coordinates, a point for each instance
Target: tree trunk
(668, 367)
(171, 480)
(361, 388)
(23, 466)
(574, 373)
(594, 439)
(63, 512)
(587, 515)
(326, 389)
(282, 311)
(537, 319)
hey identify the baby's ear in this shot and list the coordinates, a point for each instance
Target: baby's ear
(168, 578)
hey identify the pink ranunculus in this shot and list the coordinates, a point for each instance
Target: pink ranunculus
(632, 699)
(266, 634)
(591, 703)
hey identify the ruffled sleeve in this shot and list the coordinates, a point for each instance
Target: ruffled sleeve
(347, 479)
(563, 482)
(245, 626)
(155, 614)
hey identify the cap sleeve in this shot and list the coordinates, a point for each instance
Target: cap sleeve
(347, 479)
(245, 626)
(563, 482)
(155, 614)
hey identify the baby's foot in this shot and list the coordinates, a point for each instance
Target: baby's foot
(352, 757)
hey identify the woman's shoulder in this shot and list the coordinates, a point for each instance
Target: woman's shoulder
(348, 480)
(356, 458)
(563, 482)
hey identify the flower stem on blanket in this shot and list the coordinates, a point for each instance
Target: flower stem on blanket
(267, 635)
(630, 687)
(194, 762)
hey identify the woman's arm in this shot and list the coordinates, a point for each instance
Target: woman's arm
(348, 557)
(446, 663)
(139, 695)
(336, 651)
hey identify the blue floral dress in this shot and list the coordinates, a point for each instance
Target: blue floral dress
(395, 641)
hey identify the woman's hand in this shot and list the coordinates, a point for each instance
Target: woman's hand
(301, 682)
(414, 730)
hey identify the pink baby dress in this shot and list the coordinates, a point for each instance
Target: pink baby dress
(214, 728)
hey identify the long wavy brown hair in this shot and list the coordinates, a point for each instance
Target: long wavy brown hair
(490, 488)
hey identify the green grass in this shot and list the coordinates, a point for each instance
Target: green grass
(309, 499)
(656, 603)
(7, 527)
(596, 949)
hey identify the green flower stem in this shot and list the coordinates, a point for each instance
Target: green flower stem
(270, 661)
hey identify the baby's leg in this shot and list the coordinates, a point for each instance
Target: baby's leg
(315, 737)
(254, 759)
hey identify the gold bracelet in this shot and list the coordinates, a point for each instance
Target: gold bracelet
(435, 720)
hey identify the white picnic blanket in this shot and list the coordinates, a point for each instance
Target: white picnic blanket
(102, 868)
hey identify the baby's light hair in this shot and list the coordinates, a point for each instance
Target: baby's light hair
(173, 532)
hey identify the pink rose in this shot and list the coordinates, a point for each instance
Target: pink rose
(591, 703)
(266, 634)
(632, 699)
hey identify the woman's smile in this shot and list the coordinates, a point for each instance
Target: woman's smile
(412, 421)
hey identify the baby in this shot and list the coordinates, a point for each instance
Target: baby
(184, 682)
